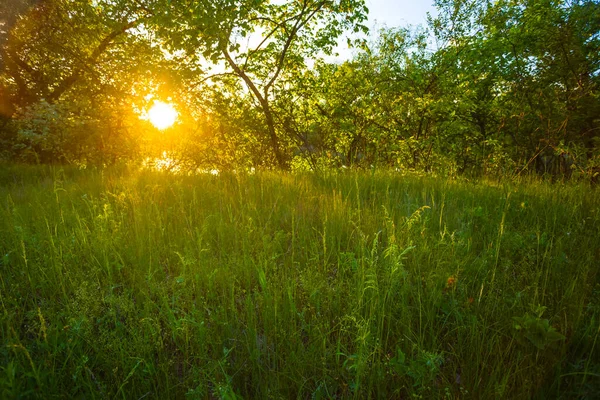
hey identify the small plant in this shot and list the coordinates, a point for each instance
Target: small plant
(423, 368)
(536, 330)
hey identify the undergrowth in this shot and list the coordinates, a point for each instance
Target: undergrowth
(120, 284)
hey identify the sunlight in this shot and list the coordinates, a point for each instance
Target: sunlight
(164, 163)
(162, 115)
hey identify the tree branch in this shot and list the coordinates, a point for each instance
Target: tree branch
(78, 72)
(297, 26)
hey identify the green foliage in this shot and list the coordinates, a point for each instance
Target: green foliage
(485, 88)
(538, 331)
(423, 369)
(291, 33)
(508, 83)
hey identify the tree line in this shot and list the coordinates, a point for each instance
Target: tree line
(484, 87)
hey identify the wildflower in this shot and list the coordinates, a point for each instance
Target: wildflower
(451, 282)
(470, 300)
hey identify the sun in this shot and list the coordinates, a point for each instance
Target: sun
(162, 115)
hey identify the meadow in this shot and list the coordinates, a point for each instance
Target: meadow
(138, 284)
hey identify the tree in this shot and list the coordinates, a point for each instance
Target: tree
(74, 71)
(59, 42)
(290, 33)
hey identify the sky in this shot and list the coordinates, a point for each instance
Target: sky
(388, 13)
(399, 12)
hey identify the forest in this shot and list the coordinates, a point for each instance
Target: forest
(256, 199)
(484, 88)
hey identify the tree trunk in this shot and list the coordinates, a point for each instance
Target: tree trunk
(266, 109)
(281, 162)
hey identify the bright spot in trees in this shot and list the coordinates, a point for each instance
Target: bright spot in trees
(162, 115)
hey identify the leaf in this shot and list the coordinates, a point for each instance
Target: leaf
(400, 356)
(537, 331)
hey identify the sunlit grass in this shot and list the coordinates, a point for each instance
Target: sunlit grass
(165, 163)
(353, 285)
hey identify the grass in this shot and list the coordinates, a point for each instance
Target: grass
(121, 284)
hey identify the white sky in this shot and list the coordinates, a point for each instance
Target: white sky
(399, 12)
(389, 13)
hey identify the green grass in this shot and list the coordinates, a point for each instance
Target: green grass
(120, 284)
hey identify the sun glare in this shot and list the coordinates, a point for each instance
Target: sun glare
(162, 115)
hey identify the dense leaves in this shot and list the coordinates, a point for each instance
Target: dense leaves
(503, 87)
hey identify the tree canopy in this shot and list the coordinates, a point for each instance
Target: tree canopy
(484, 87)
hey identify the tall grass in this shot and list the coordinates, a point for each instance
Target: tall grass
(120, 284)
